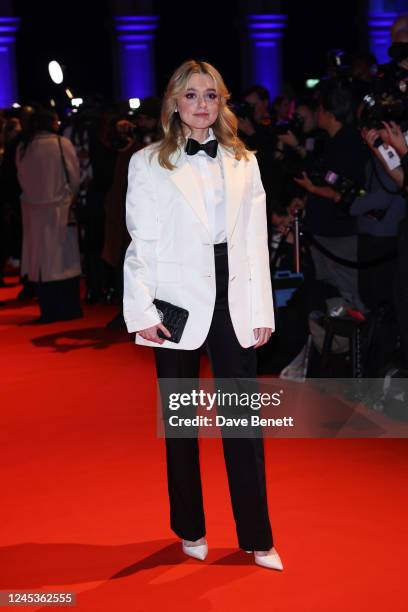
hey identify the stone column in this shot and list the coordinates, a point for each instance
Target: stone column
(264, 33)
(135, 36)
(381, 15)
(8, 79)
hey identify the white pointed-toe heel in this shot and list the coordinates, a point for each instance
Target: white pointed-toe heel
(198, 552)
(268, 558)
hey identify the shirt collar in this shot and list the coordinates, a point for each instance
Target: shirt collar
(210, 136)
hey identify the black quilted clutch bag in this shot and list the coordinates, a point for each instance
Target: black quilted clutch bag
(173, 318)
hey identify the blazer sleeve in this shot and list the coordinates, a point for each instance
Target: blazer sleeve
(258, 254)
(140, 260)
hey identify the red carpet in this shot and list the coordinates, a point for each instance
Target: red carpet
(84, 499)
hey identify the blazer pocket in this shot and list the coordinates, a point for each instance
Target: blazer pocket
(168, 272)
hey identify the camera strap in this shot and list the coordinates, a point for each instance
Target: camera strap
(64, 163)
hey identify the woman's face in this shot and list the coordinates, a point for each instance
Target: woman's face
(199, 104)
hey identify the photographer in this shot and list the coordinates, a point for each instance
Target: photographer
(393, 75)
(255, 116)
(363, 69)
(255, 128)
(303, 135)
(326, 220)
(378, 215)
(393, 136)
(147, 120)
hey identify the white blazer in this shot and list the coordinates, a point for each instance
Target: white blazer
(171, 256)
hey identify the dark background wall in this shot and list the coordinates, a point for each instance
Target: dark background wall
(79, 35)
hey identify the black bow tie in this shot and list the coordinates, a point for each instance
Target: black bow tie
(193, 147)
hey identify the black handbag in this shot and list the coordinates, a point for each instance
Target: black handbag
(173, 318)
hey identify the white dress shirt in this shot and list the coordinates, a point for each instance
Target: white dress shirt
(208, 172)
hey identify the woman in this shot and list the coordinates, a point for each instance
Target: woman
(48, 173)
(196, 216)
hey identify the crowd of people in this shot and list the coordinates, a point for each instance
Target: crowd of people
(63, 183)
(62, 203)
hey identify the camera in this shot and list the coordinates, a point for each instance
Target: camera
(347, 188)
(388, 100)
(294, 125)
(377, 111)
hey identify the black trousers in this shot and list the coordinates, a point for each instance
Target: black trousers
(59, 300)
(376, 283)
(244, 457)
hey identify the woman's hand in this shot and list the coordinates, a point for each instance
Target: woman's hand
(151, 333)
(262, 335)
(393, 136)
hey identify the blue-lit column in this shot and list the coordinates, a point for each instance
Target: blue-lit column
(8, 80)
(379, 26)
(135, 41)
(263, 53)
(381, 16)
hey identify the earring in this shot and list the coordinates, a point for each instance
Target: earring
(176, 110)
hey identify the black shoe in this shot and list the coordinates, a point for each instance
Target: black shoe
(93, 297)
(117, 322)
(72, 317)
(42, 321)
(27, 293)
(110, 296)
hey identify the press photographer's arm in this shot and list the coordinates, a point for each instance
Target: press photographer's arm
(390, 135)
(395, 138)
(322, 191)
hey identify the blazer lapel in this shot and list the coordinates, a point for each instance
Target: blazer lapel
(234, 182)
(184, 179)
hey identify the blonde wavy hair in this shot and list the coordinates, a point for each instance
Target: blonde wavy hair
(225, 127)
